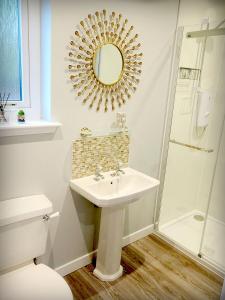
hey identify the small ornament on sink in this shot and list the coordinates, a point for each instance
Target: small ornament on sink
(21, 116)
(84, 132)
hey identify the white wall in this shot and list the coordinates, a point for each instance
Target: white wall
(192, 12)
(217, 202)
(42, 164)
(189, 172)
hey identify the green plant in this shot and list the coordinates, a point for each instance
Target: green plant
(21, 113)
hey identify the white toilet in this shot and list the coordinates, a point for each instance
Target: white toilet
(23, 237)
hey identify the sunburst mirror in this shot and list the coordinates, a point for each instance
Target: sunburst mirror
(105, 60)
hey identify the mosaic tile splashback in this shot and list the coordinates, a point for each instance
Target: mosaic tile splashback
(89, 152)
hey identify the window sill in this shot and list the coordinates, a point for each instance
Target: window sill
(35, 127)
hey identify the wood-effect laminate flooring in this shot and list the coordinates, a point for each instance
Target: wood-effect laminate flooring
(153, 269)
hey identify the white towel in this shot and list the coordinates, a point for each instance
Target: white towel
(204, 108)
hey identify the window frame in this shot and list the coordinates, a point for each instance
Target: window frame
(30, 59)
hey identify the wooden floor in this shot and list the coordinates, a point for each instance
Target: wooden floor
(152, 270)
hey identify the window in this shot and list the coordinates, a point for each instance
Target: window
(21, 24)
(10, 58)
(20, 54)
(14, 58)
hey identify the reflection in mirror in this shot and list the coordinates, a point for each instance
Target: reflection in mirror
(108, 64)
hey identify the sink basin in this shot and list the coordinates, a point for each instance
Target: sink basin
(112, 191)
(112, 194)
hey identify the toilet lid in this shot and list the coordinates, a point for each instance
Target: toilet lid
(34, 282)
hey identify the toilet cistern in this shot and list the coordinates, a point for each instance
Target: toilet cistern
(24, 226)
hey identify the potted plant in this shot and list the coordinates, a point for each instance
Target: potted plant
(21, 116)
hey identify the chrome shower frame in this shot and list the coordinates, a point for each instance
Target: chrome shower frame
(165, 145)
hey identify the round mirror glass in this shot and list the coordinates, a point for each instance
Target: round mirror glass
(108, 64)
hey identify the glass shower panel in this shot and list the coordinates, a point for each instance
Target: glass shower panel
(213, 239)
(194, 140)
(179, 206)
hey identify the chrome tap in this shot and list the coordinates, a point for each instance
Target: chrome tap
(118, 169)
(98, 174)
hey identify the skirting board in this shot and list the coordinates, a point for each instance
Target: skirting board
(87, 258)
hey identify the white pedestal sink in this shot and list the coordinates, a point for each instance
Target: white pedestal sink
(112, 194)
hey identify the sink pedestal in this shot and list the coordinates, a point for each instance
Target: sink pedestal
(108, 266)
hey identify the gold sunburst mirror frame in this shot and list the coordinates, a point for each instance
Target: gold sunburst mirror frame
(92, 35)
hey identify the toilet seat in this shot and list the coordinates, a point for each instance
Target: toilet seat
(34, 282)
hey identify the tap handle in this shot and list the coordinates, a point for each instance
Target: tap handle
(120, 164)
(98, 168)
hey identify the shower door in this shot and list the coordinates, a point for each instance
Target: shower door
(212, 246)
(193, 191)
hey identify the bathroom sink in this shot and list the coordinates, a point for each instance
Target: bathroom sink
(117, 190)
(112, 193)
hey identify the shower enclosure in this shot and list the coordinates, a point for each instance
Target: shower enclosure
(191, 200)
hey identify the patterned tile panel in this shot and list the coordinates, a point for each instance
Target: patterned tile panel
(88, 152)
